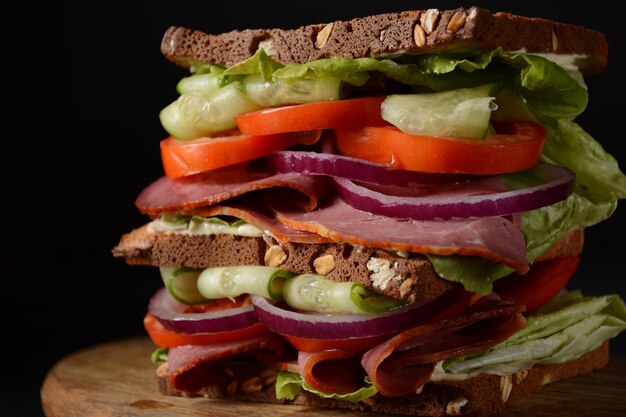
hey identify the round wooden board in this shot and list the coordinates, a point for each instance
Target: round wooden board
(118, 379)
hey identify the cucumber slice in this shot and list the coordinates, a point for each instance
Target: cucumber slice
(195, 115)
(200, 83)
(291, 91)
(265, 281)
(371, 301)
(181, 283)
(511, 107)
(458, 113)
(310, 292)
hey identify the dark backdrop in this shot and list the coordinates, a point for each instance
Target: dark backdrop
(80, 141)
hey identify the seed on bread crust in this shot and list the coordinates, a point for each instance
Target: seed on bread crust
(453, 408)
(419, 36)
(506, 386)
(275, 256)
(231, 389)
(429, 20)
(252, 385)
(405, 287)
(521, 376)
(457, 21)
(382, 272)
(324, 264)
(323, 35)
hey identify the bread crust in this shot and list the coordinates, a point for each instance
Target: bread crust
(482, 395)
(408, 32)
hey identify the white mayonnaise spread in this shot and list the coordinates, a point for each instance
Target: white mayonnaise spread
(440, 375)
(201, 227)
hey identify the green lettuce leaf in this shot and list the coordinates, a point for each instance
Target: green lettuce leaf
(598, 176)
(259, 63)
(548, 89)
(563, 330)
(159, 355)
(474, 273)
(289, 384)
(542, 228)
(216, 70)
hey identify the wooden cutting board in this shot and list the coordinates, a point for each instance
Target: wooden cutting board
(117, 379)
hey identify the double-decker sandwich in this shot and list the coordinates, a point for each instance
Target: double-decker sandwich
(378, 214)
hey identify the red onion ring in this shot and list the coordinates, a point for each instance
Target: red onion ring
(346, 167)
(170, 313)
(558, 186)
(345, 326)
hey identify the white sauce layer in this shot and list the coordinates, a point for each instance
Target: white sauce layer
(200, 227)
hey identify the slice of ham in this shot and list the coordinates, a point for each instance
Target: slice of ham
(331, 371)
(404, 363)
(340, 371)
(257, 215)
(493, 238)
(213, 187)
(192, 367)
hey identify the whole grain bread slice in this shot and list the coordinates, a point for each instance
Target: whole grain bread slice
(482, 395)
(387, 272)
(408, 32)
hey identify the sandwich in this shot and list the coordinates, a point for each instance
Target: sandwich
(380, 214)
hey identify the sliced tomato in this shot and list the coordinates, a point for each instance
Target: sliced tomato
(165, 338)
(190, 157)
(515, 147)
(340, 114)
(351, 345)
(540, 285)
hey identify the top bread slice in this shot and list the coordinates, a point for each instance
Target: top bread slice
(408, 32)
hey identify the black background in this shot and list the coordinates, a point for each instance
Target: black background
(85, 85)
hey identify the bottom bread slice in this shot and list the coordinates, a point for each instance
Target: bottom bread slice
(481, 395)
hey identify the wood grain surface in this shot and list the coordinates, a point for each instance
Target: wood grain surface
(118, 379)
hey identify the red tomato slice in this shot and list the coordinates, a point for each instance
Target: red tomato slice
(516, 146)
(540, 285)
(165, 338)
(186, 158)
(351, 345)
(340, 114)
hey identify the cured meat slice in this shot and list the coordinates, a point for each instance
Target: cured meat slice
(257, 215)
(493, 238)
(190, 366)
(331, 371)
(213, 187)
(405, 362)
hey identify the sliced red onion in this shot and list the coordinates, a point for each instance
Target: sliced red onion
(345, 326)
(346, 167)
(558, 186)
(170, 313)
